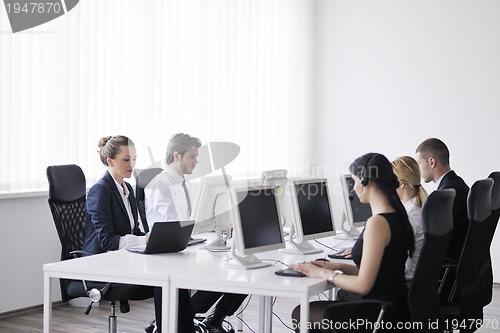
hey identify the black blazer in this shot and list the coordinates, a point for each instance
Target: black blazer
(106, 216)
(460, 217)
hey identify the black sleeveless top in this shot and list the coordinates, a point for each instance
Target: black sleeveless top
(390, 283)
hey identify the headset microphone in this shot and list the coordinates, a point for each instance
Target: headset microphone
(351, 197)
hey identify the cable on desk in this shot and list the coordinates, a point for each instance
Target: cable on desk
(275, 262)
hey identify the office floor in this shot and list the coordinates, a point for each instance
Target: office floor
(70, 319)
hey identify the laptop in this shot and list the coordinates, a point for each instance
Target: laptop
(166, 237)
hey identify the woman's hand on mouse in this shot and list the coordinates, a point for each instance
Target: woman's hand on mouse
(316, 268)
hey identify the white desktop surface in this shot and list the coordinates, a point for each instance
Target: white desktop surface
(123, 266)
(262, 281)
(193, 268)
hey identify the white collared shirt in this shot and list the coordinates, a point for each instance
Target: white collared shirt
(438, 182)
(165, 199)
(123, 190)
(415, 216)
(128, 240)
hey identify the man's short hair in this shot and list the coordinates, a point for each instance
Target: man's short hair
(181, 143)
(436, 148)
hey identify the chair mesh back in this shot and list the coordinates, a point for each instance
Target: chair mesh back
(69, 219)
(67, 196)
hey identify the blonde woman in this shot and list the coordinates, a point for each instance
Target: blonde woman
(413, 195)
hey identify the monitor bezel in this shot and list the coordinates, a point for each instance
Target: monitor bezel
(297, 218)
(237, 225)
(348, 203)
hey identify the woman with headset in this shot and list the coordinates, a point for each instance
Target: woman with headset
(379, 254)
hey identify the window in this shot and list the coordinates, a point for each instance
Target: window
(238, 71)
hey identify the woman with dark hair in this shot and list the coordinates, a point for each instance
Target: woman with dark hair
(379, 253)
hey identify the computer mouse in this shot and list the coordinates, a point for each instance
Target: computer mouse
(321, 259)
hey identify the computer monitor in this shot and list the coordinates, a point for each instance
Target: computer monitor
(212, 210)
(312, 213)
(273, 177)
(278, 179)
(257, 227)
(355, 213)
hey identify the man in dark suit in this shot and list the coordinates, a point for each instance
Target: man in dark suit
(433, 158)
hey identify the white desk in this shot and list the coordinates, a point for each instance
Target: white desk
(262, 282)
(125, 267)
(190, 269)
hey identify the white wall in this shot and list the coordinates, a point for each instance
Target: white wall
(392, 73)
(29, 240)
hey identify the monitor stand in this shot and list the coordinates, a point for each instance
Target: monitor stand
(249, 261)
(220, 243)
(303, 247)
(223, 217)
(349, 232)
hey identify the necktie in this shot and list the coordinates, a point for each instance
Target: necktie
(187, 196)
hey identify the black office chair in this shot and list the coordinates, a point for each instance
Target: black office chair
(67, 196)
(437, 222)
(465, 301)
(424, 305)
(142, 179)
(485, 270)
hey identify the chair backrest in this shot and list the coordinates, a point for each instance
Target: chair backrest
(490, 225)
(142, 179)
(437, 221)
(470, 296)
(67, 193)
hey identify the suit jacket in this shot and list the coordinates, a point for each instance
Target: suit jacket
(106, 216)
(460, 217)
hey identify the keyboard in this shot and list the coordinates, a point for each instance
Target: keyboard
(289, 272)
(194, 241)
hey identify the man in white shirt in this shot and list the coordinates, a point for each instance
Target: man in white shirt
(169, 197)
(165, 197)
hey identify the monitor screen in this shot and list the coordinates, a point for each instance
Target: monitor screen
(314, 210)
(356, 212)
(258, 220)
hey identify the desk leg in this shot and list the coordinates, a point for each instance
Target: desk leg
(47, 303)
(304, 314)
(173, 300)
(265, 314)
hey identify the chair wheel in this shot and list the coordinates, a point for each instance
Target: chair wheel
(150, 329)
